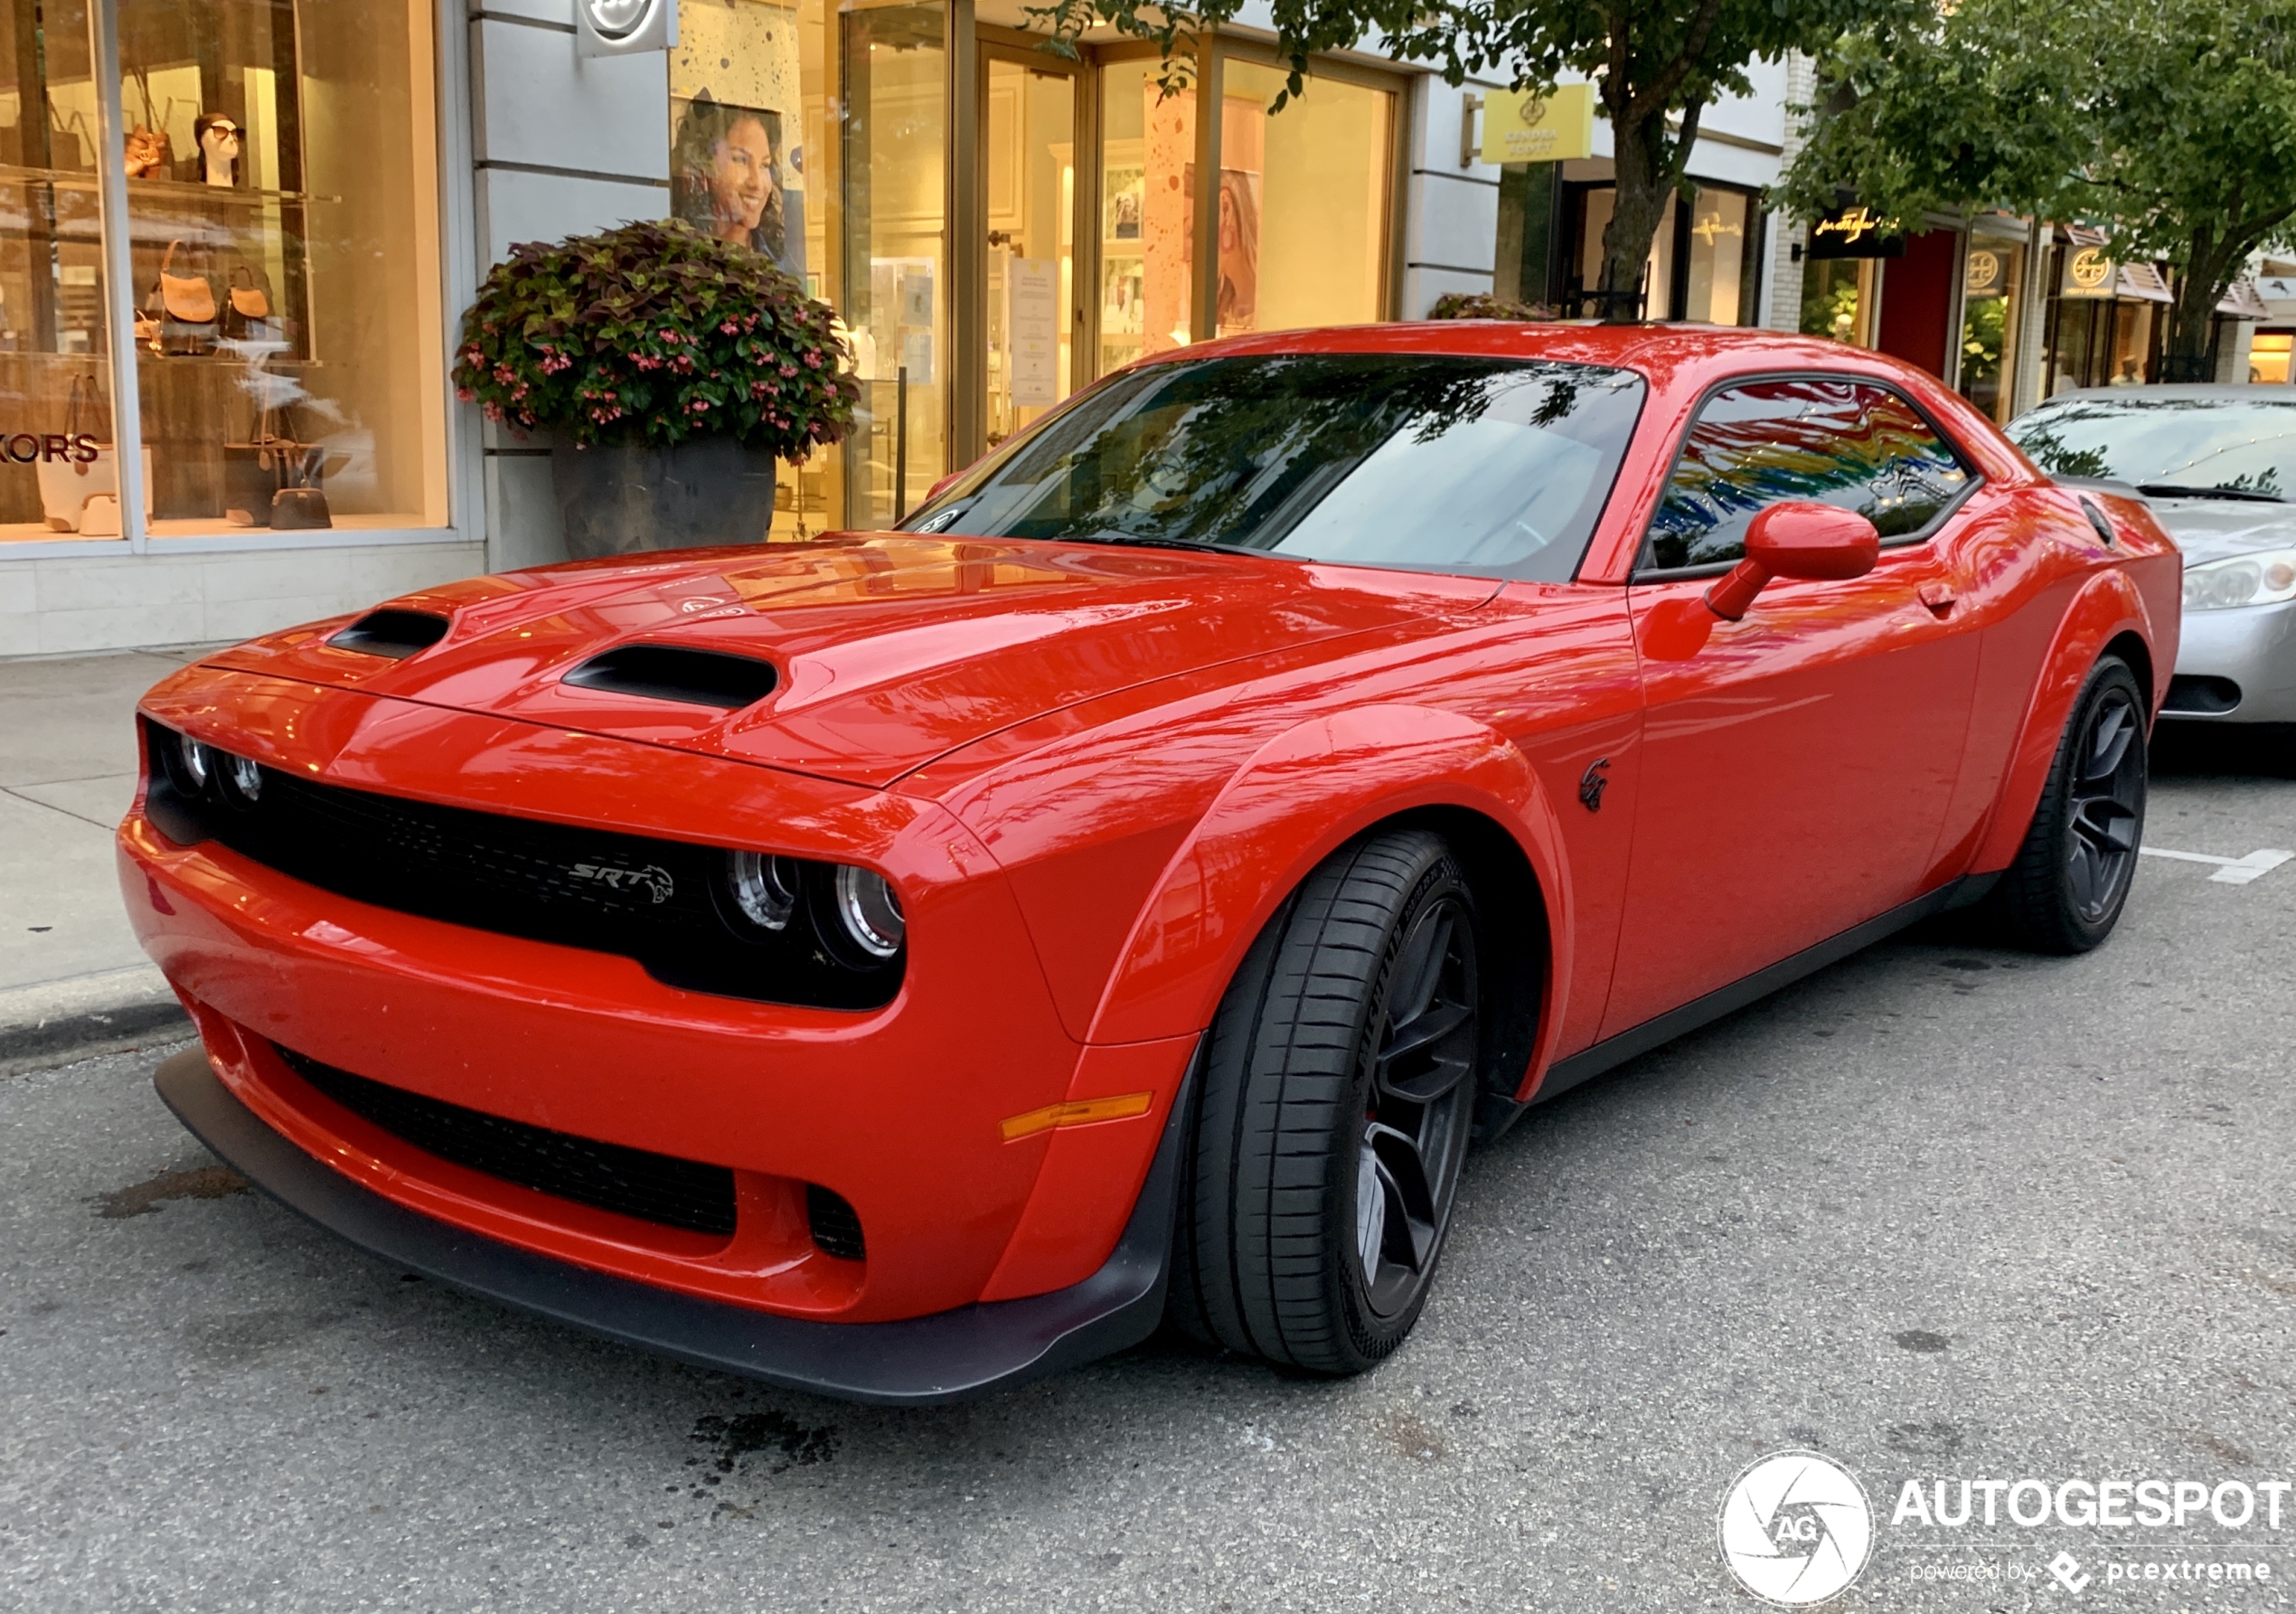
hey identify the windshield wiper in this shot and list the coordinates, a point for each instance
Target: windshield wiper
(2178, 490)
(1144, 540)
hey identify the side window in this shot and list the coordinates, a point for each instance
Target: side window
(1851, 443)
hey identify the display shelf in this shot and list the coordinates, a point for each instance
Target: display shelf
(70, 179)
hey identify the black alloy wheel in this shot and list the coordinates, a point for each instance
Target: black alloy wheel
(2071, 878)
(1338, 1094)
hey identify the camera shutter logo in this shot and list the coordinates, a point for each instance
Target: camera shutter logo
(1796, 1528)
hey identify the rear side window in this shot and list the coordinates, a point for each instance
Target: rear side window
(1852, 443)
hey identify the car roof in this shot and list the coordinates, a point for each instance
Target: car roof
(1583, 342)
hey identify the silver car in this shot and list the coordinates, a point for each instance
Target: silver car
(2218, 466)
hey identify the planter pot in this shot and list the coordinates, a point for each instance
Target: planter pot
(626, 498)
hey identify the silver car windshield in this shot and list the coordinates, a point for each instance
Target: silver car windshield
(2172, 443)
(1426, 462)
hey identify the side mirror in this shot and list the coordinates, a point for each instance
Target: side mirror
(942, 486)
(1799, 538)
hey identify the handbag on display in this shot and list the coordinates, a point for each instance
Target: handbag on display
(274, 481)
(185, 304)
(247, 309)
(83, 496)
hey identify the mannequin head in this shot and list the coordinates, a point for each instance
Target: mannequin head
(219, 148)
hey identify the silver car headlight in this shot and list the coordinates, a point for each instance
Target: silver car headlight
(2261, 578)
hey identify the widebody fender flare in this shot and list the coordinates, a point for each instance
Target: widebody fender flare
(2107, 605)
(1302, 795)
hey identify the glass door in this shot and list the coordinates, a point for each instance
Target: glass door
(1029, 194)
(895, 273)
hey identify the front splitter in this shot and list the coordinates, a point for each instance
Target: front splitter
(926, 1361)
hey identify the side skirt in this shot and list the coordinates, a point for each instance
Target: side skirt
(1586, 1064)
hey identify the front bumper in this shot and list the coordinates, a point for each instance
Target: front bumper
(915, 1362)
(2252, 648)
(900, 1111)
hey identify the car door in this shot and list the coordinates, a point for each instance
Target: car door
(1797, 764)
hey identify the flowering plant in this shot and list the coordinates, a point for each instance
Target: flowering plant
(654, 332)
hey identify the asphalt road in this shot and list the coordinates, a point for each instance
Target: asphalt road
(1941, 1210)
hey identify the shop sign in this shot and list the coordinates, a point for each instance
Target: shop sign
(2088, 272)
(623, 27)
(1521, 127)
(68, 447)
(1987, 274)
(1857, 232)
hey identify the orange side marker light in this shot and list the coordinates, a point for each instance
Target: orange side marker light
(1082, 1112)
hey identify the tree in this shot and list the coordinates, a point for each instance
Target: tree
(1658, 65)
(2171, 124)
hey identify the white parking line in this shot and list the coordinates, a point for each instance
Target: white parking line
(2230, 871)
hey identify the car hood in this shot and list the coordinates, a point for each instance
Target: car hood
(891, 649)
(2215, 528)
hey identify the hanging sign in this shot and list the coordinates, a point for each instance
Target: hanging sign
(1857, 232)
(623, 27)
(1520, 126)
(2088, 272)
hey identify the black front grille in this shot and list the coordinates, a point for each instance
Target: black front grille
(651, 900)
(658, 1188)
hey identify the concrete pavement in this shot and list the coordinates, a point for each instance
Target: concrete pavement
(71, 976)
(1942, 1212)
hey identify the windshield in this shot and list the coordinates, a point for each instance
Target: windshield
(1489, 467)
(2187, 443)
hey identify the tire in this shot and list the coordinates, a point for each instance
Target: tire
(2065, 891)
(1339, 1088)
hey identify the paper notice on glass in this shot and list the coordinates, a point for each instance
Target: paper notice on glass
(1032, 327)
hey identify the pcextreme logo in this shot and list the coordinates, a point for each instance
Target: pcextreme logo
(1796, 1528)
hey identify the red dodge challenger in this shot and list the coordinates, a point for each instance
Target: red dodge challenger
(911, 962)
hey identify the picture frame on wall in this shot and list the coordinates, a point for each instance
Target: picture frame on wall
(1125, 189)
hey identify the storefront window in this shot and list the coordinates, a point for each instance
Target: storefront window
(1991, 274)
(2268, 357)
(744, 127)
(1030, 196)
(1720, 228)
(1302, 201)
(1701, 264)
(1147, 174)
(54, 344)
(1837, 300)
(284, 233)
(894, 280)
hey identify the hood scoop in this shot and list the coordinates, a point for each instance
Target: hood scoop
(674, 673)
(395, 634)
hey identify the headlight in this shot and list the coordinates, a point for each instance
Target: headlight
(764, 888)
(869, 912)
(199, 762)
(242, 778)
(2244, 579)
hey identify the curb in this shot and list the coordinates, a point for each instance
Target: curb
(57, 1021)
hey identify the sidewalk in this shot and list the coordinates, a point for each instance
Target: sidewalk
(72, 979)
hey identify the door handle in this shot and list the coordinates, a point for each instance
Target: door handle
(1937, 597)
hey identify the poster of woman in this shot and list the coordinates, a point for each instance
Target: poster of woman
(727, 177)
